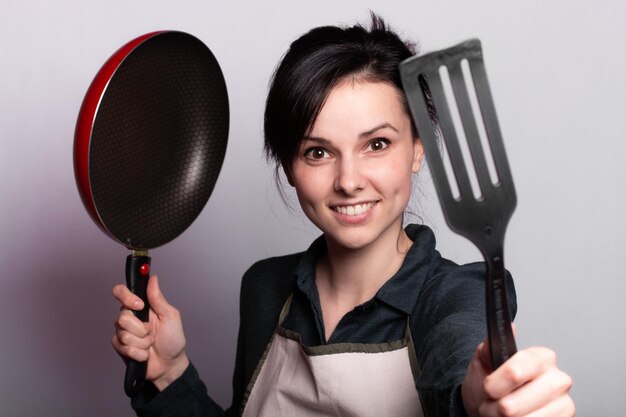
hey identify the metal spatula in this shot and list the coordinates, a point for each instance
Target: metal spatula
(482, 219)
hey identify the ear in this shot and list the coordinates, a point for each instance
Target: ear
(418, 155)
(287, 172)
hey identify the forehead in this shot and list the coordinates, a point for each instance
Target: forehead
(357, 106)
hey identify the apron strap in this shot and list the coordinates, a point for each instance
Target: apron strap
(285, 311)
(415, 368)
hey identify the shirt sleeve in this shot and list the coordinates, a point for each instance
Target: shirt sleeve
(449, 323)
(185, 397)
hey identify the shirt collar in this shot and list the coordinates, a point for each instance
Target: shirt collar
(401, 290)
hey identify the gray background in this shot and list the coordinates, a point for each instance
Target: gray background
(556, 70)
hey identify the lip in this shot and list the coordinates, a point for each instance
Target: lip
(351, 219)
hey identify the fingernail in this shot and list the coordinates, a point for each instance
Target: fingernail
(138, 304)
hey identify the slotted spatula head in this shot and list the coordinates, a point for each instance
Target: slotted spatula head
(480, 216)
(481, 219)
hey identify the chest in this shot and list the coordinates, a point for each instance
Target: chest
(371, 322)
(348, 379)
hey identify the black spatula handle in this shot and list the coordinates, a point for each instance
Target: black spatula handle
(137, 275)
(500, 334)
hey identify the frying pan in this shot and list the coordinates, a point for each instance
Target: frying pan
(149, 145)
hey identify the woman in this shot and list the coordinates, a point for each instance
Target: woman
(370, 320)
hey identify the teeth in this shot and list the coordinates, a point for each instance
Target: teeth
(354, 210)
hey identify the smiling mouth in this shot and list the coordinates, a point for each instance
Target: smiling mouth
(353, 210)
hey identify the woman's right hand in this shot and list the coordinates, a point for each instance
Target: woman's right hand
(160, 341)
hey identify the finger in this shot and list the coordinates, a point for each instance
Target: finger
(128, 339)
(128, 322)
(485, 351)
(563, 407)
(484, 354)
(488, 409)
(537, 394)
(520, 368)
(157, 300)
(129, 352)
(127, 298)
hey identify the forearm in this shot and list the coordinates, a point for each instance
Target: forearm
(185, 397)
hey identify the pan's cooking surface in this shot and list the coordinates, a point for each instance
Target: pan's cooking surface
(158, 140)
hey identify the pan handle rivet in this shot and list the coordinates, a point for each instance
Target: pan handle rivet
(144, 270)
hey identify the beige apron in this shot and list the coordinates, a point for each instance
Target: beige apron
(343, 379)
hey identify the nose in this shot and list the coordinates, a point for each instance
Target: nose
(348, 177)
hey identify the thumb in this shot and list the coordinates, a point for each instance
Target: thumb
(484, 352)
(157, 300)
(484, 356)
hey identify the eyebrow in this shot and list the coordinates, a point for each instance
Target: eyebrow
(377, 128)
(362, 135)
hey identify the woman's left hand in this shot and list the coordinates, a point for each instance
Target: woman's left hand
(528, 384)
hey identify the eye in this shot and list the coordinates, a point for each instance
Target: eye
(316, 153)
(377, 145)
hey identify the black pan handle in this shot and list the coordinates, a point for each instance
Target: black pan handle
(137, 275)
(500, 334)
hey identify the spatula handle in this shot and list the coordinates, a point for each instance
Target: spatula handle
(137, 275)
(500, 334)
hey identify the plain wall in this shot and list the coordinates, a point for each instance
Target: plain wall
(556, 71)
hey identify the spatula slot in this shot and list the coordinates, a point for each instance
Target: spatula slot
(440, 146)
(480, 124)
(448, 138)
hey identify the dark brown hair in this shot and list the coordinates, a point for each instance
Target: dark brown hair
(313, 65)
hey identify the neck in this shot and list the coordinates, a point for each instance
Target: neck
(351, 277)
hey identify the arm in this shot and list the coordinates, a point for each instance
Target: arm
(456, 379)
(449, 322)
(174, 388)
(529, 383)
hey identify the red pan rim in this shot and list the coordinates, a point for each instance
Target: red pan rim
(84, 124)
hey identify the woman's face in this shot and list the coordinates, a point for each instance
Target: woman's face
(353, 171)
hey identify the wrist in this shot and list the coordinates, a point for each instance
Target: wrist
(175, 370)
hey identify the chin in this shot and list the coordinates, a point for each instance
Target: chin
(351, 239)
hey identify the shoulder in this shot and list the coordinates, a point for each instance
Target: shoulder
(451, 312)
(268, 282)
(440, 277)
(445, 287)
(271, 272)
(265, 287)
(270, 267)
(462, 287)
